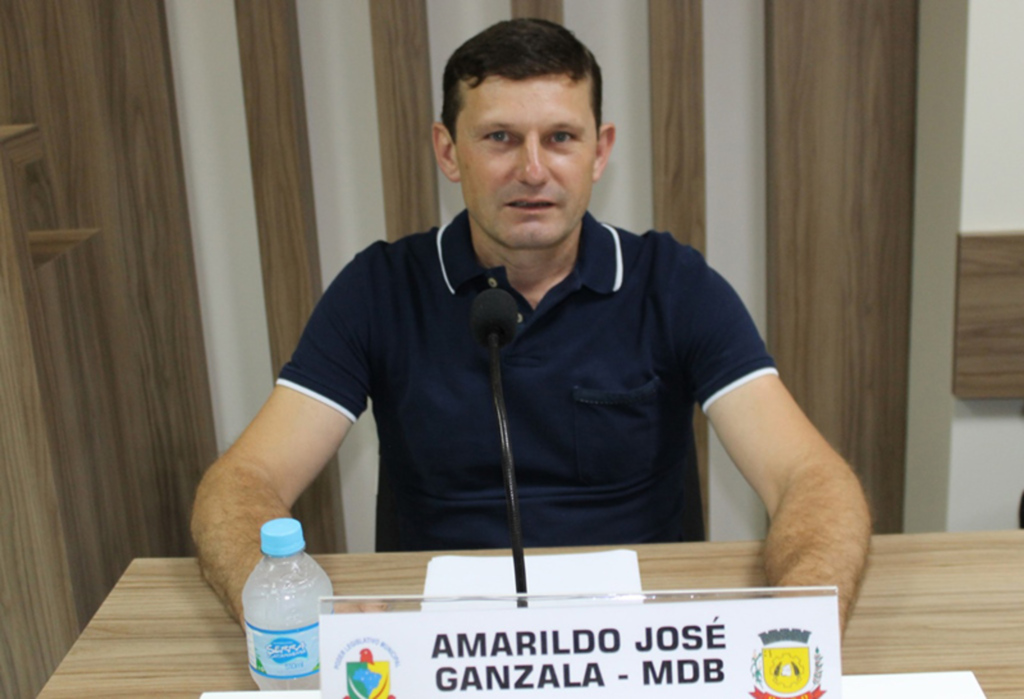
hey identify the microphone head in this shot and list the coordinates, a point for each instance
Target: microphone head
(494, 311)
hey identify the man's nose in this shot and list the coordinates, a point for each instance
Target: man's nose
(533, 168)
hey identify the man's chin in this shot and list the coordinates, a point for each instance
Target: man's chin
(535, 236)
(516, 217)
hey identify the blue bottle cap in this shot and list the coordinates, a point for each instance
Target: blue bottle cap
(282, 537)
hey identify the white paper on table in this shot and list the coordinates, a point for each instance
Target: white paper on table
(603, 572)
(934, 685)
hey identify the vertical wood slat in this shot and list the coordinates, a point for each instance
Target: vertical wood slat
(841, 85)
(551, 10)
(15, 77)
(677, 120)
(171, 390)
(62, 93)
(39, 620)
(677, 145)
(401, 67)
(275, 111)
(127, 387)
(989, 354)
(275, 108)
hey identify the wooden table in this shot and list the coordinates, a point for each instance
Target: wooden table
(930, 602)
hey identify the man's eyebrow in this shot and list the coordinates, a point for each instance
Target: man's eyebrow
(493, 126)
(489, 126)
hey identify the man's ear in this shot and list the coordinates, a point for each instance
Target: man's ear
(444, 152)
(605, 141)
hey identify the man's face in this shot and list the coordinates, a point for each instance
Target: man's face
(527, 154)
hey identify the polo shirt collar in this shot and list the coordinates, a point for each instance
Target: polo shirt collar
(598, 266)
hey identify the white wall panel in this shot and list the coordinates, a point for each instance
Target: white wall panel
(987, 477)
(218, 179)
(993, 183)
(450, 23)
(341, 109)
(734, 124)
(616, 33)
(987, 469)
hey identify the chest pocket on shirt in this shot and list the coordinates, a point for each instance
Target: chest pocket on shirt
(616, 433)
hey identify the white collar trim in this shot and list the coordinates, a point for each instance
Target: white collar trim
(440, 258)
(618, 257)
(615, 238)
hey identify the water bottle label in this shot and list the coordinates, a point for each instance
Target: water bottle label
(284, 655)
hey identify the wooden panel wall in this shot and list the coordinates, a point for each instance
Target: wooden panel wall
(401, 67)
(38, 622)
(841, 85)
(677, 145)
(127, 391)
(989, 356)
(275, 108)
(551, 10)
(677, 119)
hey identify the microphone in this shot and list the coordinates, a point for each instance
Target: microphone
(494, 311)
(493, 319)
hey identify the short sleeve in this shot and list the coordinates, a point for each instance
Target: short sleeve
(720, 347)
(331, 361)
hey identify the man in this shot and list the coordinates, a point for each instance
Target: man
(618, 336)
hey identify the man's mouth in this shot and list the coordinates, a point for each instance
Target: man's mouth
(531, 205)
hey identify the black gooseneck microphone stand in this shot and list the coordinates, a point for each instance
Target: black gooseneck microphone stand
(493, 319)
(515, 527)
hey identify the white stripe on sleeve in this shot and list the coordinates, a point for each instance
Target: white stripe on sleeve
(317, 397)
(737, 383)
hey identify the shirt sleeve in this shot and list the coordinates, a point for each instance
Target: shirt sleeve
(721, 347)
(331, 362)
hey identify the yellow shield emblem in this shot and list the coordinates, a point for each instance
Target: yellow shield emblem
(787, 670)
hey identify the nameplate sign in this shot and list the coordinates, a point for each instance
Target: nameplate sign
(766, 644)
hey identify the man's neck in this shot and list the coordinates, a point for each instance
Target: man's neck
(534, 280)
(532, 272)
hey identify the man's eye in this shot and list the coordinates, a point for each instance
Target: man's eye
(498, 136)
(561, 137)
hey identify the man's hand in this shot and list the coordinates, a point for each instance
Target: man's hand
(820, 524)
(258, 479)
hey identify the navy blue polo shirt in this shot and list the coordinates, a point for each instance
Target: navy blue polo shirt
(600, 383)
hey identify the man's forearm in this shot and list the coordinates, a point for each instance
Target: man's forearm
(231, 505)
(820, 535)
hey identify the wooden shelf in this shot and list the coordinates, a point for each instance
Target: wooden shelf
(989, 356)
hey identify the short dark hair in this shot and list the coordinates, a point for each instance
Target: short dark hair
(518, 49)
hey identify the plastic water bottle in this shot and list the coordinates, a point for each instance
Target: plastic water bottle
(281, 603)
